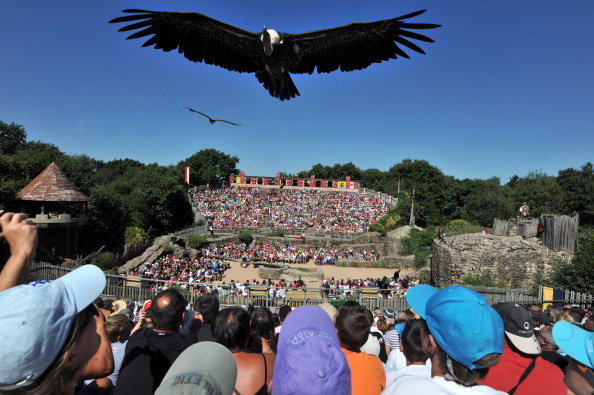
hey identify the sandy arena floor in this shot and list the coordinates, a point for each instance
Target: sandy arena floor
(240, 274)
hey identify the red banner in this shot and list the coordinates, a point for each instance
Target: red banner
(186, 175)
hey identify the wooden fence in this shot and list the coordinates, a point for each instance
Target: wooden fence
(560, 231)
(135, 288)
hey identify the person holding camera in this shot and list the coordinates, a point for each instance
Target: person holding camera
(20, 234)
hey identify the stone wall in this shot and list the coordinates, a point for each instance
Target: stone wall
(507, 261)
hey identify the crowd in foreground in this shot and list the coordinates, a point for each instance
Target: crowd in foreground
(290, 209)
(56, 339)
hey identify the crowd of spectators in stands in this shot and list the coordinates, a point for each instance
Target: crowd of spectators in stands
(290, 209)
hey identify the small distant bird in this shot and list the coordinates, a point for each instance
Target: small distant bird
(211, 120)
(272, 55)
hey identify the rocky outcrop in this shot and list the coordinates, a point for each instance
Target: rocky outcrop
(507, 261)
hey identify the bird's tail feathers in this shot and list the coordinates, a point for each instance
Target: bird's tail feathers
(284, 89)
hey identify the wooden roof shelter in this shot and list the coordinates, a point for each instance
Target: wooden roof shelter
(52, 185)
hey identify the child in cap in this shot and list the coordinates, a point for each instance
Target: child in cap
(462, 336)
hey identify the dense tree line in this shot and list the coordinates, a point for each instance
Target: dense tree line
(126, 193)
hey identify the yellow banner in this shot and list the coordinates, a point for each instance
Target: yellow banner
(547, 294)
(342, 184)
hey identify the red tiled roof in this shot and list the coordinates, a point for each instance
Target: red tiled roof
(51, 185)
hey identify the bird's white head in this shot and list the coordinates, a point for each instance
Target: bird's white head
(270, 38)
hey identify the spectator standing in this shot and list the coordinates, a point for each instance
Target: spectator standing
(207, 309)
(193, 374)
(521, 370)
(309, 359)
(579, 345)
(118, 328)
(150, 352)
(49, 333)
(353, 326)
(255, 371)
(462, 336)
(283, 312)
(411, 347)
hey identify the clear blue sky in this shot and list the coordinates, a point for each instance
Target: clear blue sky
(507, 88)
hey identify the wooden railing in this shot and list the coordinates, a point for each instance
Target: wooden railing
(139, 289)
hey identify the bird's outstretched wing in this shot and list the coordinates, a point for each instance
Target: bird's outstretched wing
(354, 46)
(212, 120)
(198, 37)
(222, 120)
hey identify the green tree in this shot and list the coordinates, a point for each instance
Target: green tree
(428, 184)
(542, 193)
(107, 220)
(11, 136)
(135, 234)
(577, 275)
(578, 191)
(485, 202)
(209, 166)
(373, 179)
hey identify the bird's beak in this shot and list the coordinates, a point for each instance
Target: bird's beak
(267, 42)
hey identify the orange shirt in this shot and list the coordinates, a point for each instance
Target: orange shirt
(368, 376)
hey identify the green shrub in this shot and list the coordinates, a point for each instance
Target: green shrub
(245, 237)
(201, 222)
(461, 227)
(418, 243)
(167, 249)
(105, 261)
(387, 223)
(197, 241)
(276, 233)
(477, 280)
(134, 234)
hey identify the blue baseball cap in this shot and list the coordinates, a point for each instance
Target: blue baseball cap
(578, 343)
(36, 319)
(309, 360)
(460, 320)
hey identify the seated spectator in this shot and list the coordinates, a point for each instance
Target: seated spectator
(193, 374)
(49, 332)
(578, 344)
(353, 327)
(462, 336)
(254, 371)
(521, 370)
(309, 359)
(411, 347)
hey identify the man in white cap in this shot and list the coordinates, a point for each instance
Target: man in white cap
(49, 332)
(521, 370)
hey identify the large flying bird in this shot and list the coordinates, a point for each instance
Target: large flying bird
(212, 120)
(273, 55)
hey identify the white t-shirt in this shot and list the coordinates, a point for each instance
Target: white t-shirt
(418, 371)
(436, 386)
(396, 360)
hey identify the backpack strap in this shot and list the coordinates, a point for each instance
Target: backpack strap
(523, 376)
